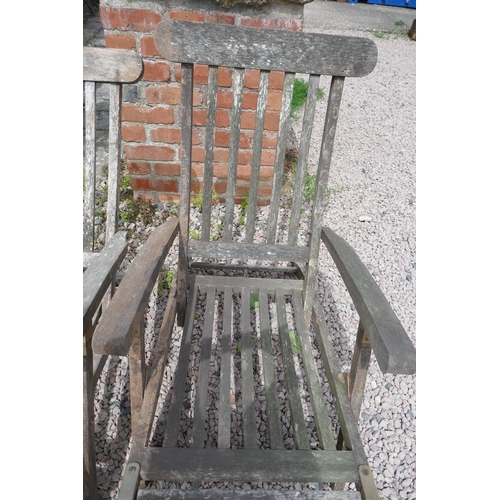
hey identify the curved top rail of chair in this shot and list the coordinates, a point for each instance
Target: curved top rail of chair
(111, 65)
(265, 49)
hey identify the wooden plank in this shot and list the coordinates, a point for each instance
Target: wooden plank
(174, 413)
(137, 372)
(98, 276)
(281, 50)
(338, 386)
(230, 250)
(279, 162)
(269, 372)
(208, 168)
(243, 267)
(233, 153)
(90, 151)
(300, 435)
(359, 371)
(211, 464)
(393, 348)
(115, 331)
(114, 163)
(88, 257)
(185, 187)
(325, 157)
(200, 405)
(323, 422)
(238, 282)
(257, 494)
(224, 433)
(250, 437)
(111, 65)
(305, 140)
(256, 156)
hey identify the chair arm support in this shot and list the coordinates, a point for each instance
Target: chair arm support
(393, 348)
(99, 273)
(116, 329)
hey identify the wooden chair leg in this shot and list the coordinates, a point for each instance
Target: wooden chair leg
(137, 370)
(359, 371)
(89, 458)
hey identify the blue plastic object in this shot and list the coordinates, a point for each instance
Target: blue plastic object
(412, 4)
(352, 1)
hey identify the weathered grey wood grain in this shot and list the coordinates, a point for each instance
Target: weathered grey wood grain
(300, 435)
(323, 422)
(90, 151)
(208, 167)
(174, 413)
(241, 47)
(279, 162)
(256, 156)
(359, 371)
(233, 153)
(200, 406)
(229, 250)
(250, 436)
(114, 163)
(210, 464)
(393, 348)
(185, 186)
(269, 372)
(111, 65)
(115, 331)
(300, 171)
(325, 157)
(224, 434)
(98, 276)
(243, 267)
(256, 284)
(244, 495)
(137, 372)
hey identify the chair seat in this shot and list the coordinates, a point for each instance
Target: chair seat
(247, 402)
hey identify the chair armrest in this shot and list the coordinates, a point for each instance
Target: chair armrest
(393, 348)
(99, 273)
(116, 329)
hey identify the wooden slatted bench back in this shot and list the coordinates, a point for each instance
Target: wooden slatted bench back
(111, 67)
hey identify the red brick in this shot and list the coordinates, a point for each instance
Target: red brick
(273, 23)
(221, 18)
(164, 94)
(187, 15)
(168, 169)
(119, 41)
(221, 118)
(200, 74)
(269, 139)
(274, 101)
(165, 185)
(195, 137)
(156, 71)
(170, 135)
(224, 99)
(276, 80)
(251, 78)
(148, 47)
(196, 185)
(244, 157)
(272, 121)
(222, 139)
(168, 198)
(147, 114)
(220, 187)
(248, 120)
(267, 157)
(249, 100)
(199, 117)
(177, 72)
(221, 155)
(224, 78)
(128, 19)
(139, 168)
(197, 170)
(149, 152)
(133, 133)
(220, 171)
(140, 183)
(198, 155)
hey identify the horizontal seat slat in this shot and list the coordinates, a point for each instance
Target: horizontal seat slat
(252, 283)
(248, 494)
(280, 50)
(211, 464)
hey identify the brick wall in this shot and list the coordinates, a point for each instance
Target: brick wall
(151, 109)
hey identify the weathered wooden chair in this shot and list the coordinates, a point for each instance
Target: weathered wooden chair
(108, 67)
(248, 318)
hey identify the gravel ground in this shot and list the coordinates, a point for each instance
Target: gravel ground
(371, 205)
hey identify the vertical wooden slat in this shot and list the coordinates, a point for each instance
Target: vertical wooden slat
(323, 423)
(273, 417)
(247, 387)
(115, 98)
(90, 148)
(185, 187)
(359, 371)
(137, 370)
(324, 161)
(200, 405)
(224, 434)
(305, 140)
(233, 152)
(292, 385)
(286, 106)
(208, 168)
(256, 156)
(174, 412)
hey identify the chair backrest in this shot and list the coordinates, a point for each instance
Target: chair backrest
(110, 67)
(243, 49)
